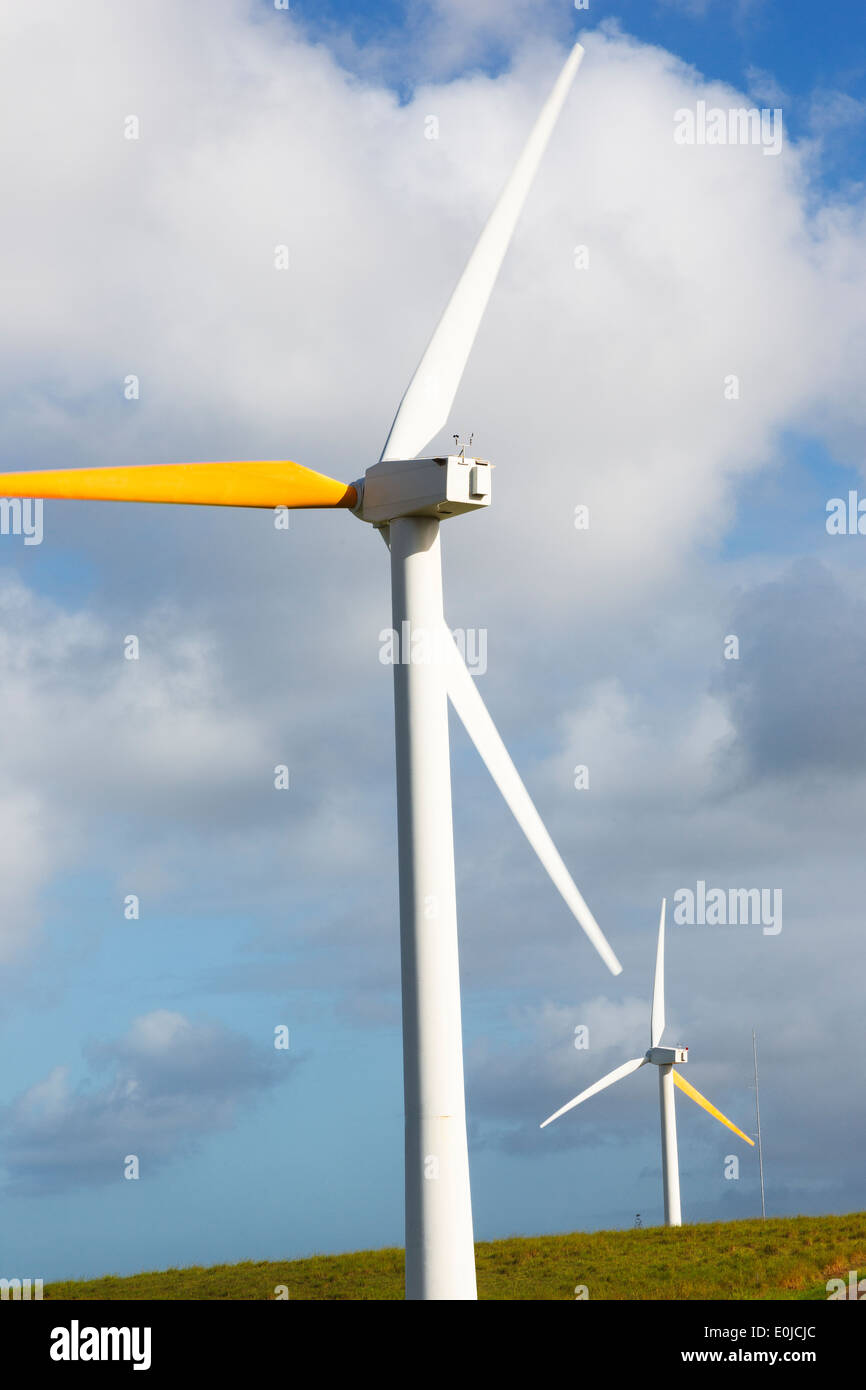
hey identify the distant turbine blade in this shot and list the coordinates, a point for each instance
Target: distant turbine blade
(258, 484)
(429, 396)
(625, 1070)
(469, 705)
(657, 1020)
(689, 1090)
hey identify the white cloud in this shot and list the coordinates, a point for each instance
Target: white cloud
(173, 1082)
(764, 87)
(832, 111)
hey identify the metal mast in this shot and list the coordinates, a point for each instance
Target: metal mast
(758, 1119)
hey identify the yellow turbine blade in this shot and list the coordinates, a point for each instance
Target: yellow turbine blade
(707, 1105)
(272, 483)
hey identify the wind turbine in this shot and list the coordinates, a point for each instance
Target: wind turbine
(406, 497)
(665, 1058)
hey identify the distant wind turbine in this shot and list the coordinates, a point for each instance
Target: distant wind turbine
(664, 1058)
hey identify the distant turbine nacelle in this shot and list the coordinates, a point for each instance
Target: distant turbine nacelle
(667, 1056)
(437, 487)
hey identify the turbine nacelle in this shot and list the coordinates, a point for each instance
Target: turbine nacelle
(437, 487)
(668, 1056)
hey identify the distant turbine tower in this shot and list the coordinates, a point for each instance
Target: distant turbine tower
(758, 1119)
(405, 497)
(664, 1058)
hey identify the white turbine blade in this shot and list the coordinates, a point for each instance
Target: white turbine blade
(469, 705)
(657, 1021)
(427, 402)
(625, 1070)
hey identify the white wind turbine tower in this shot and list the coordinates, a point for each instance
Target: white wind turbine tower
(411, 498)
(406, 497)
(665, 1058)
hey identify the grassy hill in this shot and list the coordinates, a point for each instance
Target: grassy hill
(790, 1258)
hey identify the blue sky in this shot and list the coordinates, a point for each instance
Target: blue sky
(155, 777)
(804, 51)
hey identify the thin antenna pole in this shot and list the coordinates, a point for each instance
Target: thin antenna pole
(758, 1118)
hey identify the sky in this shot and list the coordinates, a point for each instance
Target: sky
(675, 343)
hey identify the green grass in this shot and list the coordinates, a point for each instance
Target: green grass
(789, 1258)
